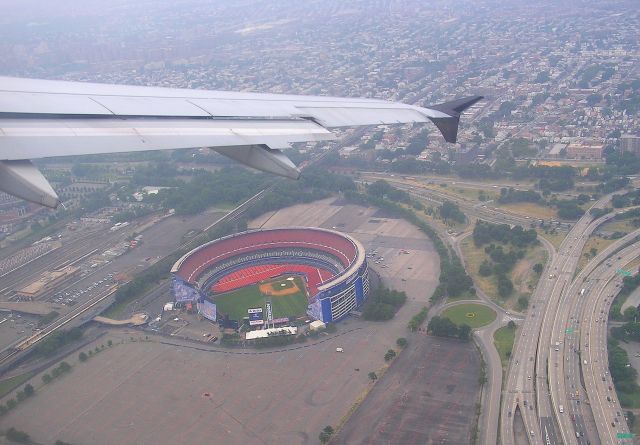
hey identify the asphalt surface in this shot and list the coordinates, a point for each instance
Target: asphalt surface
(567, 350)
(526, 378)
(420, 400)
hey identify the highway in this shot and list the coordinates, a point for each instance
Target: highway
(526, 390)
(564, 349)
(471, 208)
(595, 365)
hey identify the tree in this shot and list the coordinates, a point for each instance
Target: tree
(325, 435)
(630, 313)
(29, 390)
(46, 378)
(11, 403)
(109, 343)
(450, 211)
(389, 355)
(372, 376)
(329, 430)
(83, 357)
(538, 268)
(511, 324)
(523, 302)
(505, 286)
(465, 332)
(485, 268)
(401, 342)
(64, 367)
(442, 327)
(17, 436)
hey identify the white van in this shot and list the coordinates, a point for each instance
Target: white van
(339, 350)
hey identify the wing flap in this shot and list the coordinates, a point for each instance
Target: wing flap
(31, 139)
(45, 103)
(149, 106)
(350, 116)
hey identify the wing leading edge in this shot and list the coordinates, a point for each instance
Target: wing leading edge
(40, 118)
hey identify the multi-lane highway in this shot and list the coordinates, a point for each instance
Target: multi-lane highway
(566, 351)
(526, 391)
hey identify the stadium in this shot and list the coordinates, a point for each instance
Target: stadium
(284, 273)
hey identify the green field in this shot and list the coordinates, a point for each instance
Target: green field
(503, 339)
(474, 315)
(236, 303)
(8, 385)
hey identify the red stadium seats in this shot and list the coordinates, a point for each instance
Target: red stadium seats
(314, 276)
(201, 260)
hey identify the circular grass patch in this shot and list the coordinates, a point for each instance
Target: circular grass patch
(472, 314)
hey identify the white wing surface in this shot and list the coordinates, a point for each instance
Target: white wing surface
(42, 118)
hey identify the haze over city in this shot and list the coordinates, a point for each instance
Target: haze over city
(457, 262)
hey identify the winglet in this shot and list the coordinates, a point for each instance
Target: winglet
(22, 179)
(448, 126)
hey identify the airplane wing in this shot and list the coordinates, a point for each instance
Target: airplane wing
(43, 118)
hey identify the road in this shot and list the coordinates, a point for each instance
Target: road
(564, 367)
(593, 340)
(526, 392)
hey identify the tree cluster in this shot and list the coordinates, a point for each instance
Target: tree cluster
(509, 195)
(54, 342)
(626, 200)
(449, 211)
(383, 304)
(418, 319)
(623, 376)
(629, 284)
(326, 434)
(569, 209)
(58, 371)
(389, 355)
(485, 233)
(23, 394)
(443, 327)
(381, 189)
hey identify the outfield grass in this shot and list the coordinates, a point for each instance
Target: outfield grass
(503, 339)
(236, 303)
(472, 314)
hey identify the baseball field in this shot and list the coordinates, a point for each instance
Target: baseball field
(288, 298)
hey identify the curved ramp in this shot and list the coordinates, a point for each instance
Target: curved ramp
(135, 320)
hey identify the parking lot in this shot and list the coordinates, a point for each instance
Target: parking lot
(169, 391)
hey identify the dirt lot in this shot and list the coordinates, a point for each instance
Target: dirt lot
(420, 400)
(155, 392)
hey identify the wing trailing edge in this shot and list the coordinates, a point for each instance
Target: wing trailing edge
(43, 118)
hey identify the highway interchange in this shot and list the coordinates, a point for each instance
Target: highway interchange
(557, 382)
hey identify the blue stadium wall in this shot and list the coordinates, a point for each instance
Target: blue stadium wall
(334, 304)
